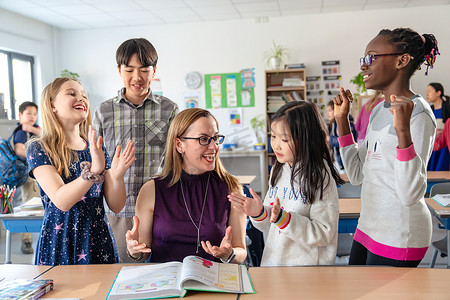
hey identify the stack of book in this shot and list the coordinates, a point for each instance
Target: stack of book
(275, 102)
(293, 81)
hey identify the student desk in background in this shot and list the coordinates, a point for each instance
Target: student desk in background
(343, 282)
(235, 162)
(442, 213)
(95, 281)
(11, 272)
(347, 190)
(349, 210)
(20, 223)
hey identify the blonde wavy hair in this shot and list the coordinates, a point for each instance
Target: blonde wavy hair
(53, 137)
(173, 160)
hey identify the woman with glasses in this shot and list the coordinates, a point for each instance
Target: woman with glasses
(394, 227)
(185, 211)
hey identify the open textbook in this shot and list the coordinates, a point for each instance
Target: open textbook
(172, 279)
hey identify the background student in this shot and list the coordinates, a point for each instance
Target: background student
(139, 115)
(74, 171)
(394, 227)
(301, 208)
(185, 210)
(27, 119)
(440, 159)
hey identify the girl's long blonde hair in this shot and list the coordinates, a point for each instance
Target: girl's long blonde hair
(173, 160)
(53, 137)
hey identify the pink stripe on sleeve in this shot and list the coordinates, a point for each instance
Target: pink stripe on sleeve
(346, 140)
(406, 154)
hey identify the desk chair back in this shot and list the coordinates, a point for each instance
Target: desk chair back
(439, 246)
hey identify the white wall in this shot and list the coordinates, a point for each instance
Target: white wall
(229, 46)
(27, 36)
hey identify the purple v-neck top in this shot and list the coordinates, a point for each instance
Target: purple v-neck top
(174, 234)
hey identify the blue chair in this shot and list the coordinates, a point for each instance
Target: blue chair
(254, 240)
(441, 245)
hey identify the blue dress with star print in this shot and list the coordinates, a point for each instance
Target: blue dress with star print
(80, 235)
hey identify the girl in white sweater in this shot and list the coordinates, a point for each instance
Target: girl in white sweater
(394, 227)
(301, 208)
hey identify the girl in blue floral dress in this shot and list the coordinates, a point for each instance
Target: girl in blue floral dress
(74, 172)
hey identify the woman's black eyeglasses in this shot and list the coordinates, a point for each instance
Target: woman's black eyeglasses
(369, 58)
(206, 140)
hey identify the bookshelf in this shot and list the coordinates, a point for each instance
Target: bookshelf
(282, 86)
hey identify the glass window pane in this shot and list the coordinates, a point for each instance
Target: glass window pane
(23, 88)
(5, 105)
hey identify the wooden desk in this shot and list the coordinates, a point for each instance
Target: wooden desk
(348, 283)
(245, 180)
(19, 223)
(10, 272)
(443, 215)
(349, 210)
(433, 177)
(95, 281)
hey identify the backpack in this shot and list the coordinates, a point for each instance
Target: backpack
(13, 168)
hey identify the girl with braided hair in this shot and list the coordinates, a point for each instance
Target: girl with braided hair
(394, 227)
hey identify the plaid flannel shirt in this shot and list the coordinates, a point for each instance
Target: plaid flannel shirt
(147, 125)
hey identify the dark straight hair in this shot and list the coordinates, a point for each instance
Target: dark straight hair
(144, 50)
(311, 154)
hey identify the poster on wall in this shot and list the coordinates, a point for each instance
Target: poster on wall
(235, 117)
(156, 86)
(191, 98)
(225, 90)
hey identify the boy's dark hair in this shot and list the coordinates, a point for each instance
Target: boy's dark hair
(25, 105)
(145, 51)
(311, 154)
(423, 48)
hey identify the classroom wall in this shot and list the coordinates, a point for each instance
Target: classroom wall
(27, 36)
(229, 46)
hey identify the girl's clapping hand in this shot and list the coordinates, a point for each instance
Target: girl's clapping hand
(122, 161)
(276, 209)
(249, 206)
(97, 155)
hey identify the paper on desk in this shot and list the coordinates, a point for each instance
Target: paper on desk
(442, 199)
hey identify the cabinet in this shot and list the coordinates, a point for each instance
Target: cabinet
(282, 86)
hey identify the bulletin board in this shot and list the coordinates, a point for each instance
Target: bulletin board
(226, 90)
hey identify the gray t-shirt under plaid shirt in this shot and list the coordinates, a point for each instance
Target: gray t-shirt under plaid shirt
(146, 124)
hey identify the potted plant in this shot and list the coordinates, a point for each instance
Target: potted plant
(275, 57)
(358, 80)
(258, 123)
(67, 73)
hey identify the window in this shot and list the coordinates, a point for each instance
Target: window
(16, 82)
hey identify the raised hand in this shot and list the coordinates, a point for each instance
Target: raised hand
(342, 103)
(132, 238)
(401, 108)
(276, 209)
(122, 161)
(225, 249)
(97, 155)
(249, 206)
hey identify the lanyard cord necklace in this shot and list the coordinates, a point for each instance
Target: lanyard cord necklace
(201, 215)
